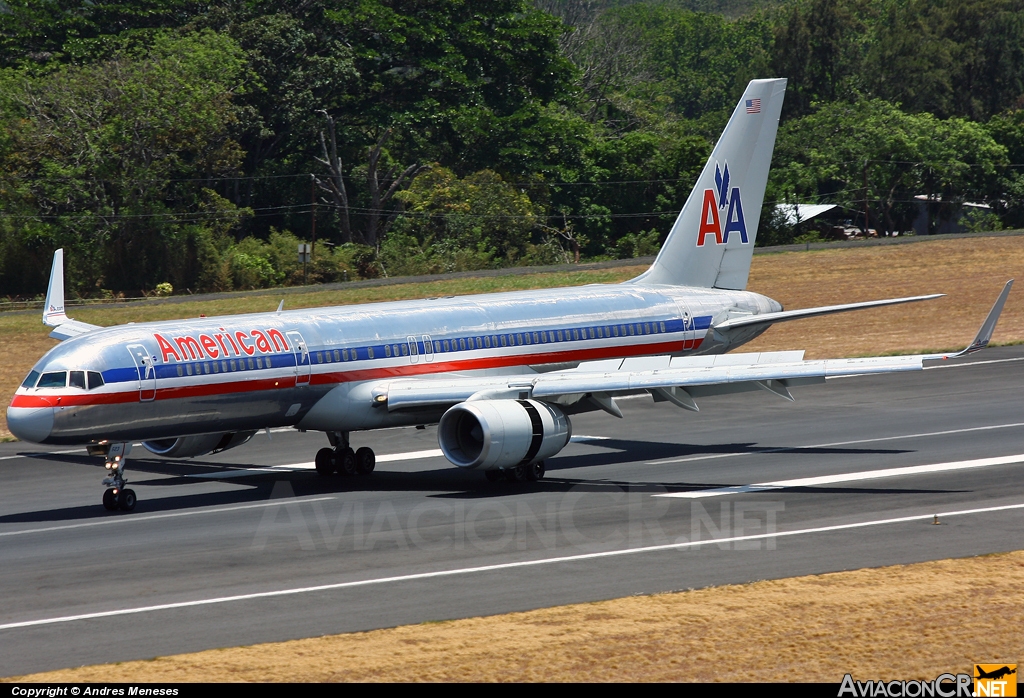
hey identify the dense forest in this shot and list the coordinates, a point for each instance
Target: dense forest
(193, 144)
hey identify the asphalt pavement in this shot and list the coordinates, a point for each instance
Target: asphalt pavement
(252, 546)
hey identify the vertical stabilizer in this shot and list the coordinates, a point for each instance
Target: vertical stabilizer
(712, 241)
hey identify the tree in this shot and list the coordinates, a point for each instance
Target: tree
(871, 157)
(111, 158)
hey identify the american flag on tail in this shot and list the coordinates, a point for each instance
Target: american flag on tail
(754, 106)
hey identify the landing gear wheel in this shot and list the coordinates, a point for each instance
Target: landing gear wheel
(493, 475)
(324, 462)
(110, 499)
(126, 500)
(365, 461)
(516, 474)
(346, 460)
(535, 471)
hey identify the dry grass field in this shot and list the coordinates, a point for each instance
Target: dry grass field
(971, 271)
(905, 622)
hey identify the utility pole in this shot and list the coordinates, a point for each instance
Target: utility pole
(312, 193)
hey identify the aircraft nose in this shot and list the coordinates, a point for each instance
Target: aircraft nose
(30, 423)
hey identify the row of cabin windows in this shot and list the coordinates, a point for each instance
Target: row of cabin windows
(85, 380)
(548, 336)
(224, 366)
(502, 340)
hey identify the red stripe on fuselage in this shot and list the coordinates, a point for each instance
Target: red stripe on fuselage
(334, 377)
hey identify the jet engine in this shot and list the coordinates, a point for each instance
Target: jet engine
(198, 445)
(491, 434)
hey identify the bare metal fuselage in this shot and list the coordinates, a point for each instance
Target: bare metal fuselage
(249, 372)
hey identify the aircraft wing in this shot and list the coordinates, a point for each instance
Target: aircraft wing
(53, 310)
(678, 380)
(670, 379)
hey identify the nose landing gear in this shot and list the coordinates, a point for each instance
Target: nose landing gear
(116, 496)
(342, 459)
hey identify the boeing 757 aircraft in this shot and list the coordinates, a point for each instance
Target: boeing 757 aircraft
(501, 374)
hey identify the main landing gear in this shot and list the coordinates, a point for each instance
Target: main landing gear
(520, 473)
(341, 459)
(116, 496)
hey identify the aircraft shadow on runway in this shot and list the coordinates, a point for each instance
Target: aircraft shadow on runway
(446, 482)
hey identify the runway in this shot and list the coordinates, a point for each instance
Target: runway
(252, 546)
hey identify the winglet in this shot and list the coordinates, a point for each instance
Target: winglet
(984, 335)
(280, 306)
(53, 310)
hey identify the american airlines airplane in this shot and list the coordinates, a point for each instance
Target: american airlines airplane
(501, 374)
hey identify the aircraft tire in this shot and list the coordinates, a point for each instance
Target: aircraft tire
(516, 474)
(324, 461)
(109, 499)
(535, 471)
(346, 459)
(126, 500)
(366, 461)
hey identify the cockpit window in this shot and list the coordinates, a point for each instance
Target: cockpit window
(30, 380)
(95, 380)
(77, 379)
(54, 379)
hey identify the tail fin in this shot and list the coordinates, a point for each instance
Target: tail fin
(712, 240)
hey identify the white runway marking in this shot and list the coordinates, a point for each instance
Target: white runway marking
(151, 517)
(848, 477)
(293, 467)
(498, 567)
(784, 449)
(43, 453)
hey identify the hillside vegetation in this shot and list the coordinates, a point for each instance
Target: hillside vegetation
(177, 145)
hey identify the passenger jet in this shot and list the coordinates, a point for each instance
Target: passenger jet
(500, 374)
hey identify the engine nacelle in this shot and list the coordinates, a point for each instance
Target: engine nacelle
(198, 445)
(490, 434)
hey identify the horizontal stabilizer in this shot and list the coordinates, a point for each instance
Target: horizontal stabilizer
(786, 315)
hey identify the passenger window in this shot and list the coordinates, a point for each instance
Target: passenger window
(251, 366)
(181, 371)
(662, 326)
(30, 379)
(369, 352)
(405, 350)
(188, 369)
(519, 339)
(487, 342)
(234, 365)
(95, 380)
(54, 379)
(337, 355)
(77, 379)
(344, 354)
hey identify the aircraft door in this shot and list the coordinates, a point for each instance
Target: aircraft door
(428, 348)
(147, 371)
(688, 335)
(303, 365)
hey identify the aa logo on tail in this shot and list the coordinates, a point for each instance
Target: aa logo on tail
(716, 200)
